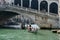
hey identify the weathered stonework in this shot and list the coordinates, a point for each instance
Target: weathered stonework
(59, 7)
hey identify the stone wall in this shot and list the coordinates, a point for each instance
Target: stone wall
(46, 22)
(59, 12)
(43, 21)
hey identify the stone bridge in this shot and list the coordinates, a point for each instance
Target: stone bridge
(41, 18)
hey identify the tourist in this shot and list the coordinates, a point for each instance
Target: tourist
(33, 28)
(29, 28)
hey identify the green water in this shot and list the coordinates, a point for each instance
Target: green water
(14, 34)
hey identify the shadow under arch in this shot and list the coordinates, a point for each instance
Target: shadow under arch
(5, 15)
(26, 3)
(34, 4)
(53, 8)
(44, 6)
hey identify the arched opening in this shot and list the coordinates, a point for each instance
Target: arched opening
(44, 6)
(5, 15)
(34, 4)
(25, 3)
(17, 2)
(53, 8)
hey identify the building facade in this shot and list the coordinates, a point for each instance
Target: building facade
(50, 6)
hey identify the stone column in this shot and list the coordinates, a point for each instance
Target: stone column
(39, 5)
(30, 3)
(12, 1)
(21, 3)
(48, 7)
(59, 12)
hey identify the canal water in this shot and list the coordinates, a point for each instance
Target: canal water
(7, 33)
(13, 34)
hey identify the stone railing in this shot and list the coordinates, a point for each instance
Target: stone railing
(53, 0)
(29, 10)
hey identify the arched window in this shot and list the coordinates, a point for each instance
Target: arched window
(44, 6)
(25, 3)
(53, 8)
(34, 4)
(17, 2)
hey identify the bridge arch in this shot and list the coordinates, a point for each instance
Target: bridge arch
(53, 8)
(34, 4)
(25, 3)
(28, 18)
(44, 6)
(5, 15)
(8, 13)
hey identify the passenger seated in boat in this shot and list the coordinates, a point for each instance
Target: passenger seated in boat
(33, 28)
(29, 28)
